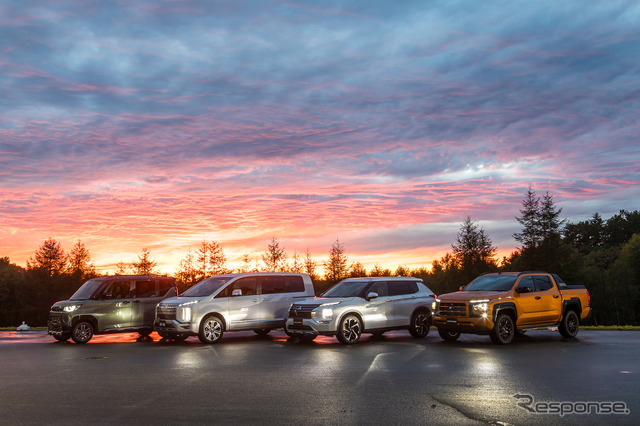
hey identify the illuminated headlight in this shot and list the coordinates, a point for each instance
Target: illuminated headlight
(433, 306)
(183, 312)
(479, 307)
(323, 314)
(71, 308)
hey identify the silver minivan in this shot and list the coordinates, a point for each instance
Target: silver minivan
(231, 302)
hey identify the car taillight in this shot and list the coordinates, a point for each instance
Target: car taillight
(588, 299)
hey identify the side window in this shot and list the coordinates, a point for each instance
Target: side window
(117, 290)
(527, 282)
(397, 288)
(543, 283)
(271, 285)
(413, 286)
(247, 285)
(164, 286)
(294, 284)
(379, 287)
(145, 289)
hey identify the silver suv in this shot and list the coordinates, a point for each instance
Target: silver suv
(118, 304)
(364, 305)
(231, 302)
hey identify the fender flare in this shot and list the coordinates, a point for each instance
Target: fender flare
(505, 307)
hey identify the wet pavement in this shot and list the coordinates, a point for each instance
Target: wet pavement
(394, 379)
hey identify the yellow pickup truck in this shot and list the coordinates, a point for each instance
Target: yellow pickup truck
(505, 303)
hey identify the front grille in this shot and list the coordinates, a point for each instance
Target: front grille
(301, 311)
(452, 309)
(54, 323)
(166, 312)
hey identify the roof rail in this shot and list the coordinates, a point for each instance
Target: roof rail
(532, 272)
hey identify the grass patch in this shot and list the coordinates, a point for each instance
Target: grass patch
(14, 328)
(611, 327)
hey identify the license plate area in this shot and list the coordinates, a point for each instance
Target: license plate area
(297, 321)
(162, 323)
(452, 321)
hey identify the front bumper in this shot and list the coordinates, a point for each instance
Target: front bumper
(471, 325)
(59, 324)
(310, 327)
(169, 327)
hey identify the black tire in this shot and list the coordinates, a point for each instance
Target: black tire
(503, 330)
(262, 331)
(350, 330)
(570, 324)
(61, 338)
(287, 332)
(82, 332)
(211, 330)
(449, 336)
(145, 332)
(420, 324)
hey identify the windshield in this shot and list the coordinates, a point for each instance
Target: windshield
(87, 290)
(206, 287)
(347, 289)
(491, 283)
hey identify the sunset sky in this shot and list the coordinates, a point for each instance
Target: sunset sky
(160, 124)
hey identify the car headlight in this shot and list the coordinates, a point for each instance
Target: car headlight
(323, 312)
(183, 312)
(479, 307)
(71, 308)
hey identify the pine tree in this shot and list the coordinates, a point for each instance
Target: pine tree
(530, 236)
(50, 258)
(275, 258)
(336, 267)
(145, 264)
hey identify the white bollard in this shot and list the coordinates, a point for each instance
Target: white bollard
(23, 327)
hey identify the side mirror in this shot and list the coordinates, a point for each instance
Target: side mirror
(236, 292)
(523, 290)
(372, 295)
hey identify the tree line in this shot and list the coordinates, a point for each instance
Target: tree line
(601, 254)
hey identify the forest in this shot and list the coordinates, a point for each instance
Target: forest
(603, 255)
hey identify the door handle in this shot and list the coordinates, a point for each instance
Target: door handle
(538, 297)
(136, 301)
(555, 296)
(124, 302)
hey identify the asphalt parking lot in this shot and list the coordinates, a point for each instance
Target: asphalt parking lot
(395, 379)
